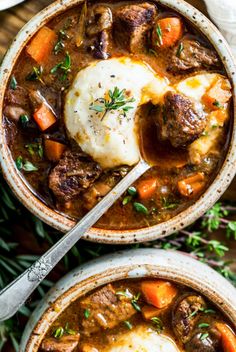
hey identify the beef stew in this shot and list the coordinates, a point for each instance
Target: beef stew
(178, 109)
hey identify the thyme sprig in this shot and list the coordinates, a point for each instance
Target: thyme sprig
(64, 67)
(117, 100)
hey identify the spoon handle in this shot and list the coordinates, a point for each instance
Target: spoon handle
(16, 293)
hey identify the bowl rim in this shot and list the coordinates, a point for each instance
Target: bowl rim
(137, 263)
(63, 223)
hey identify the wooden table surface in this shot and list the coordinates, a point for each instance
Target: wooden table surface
(13, 19)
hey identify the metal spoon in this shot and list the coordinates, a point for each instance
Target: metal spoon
(16, 293)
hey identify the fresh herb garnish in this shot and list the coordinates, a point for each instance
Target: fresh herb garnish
(60, 45)
(69, 331)
(35, 148)
(134, 302)
(64, 66)
(118, 100)
(58, 333)
(128, 324)
(203, 325)
(25, 165)
(168, 204)
(157, 322)
(209, 311)
(13, 83)
(180, 49)
(126, 200)
(140, 208)
(24, 119)
(124, 294)
(159, 35)
(204, 336)
(132, 191)
(36, 74)
(218, 104)
(86, 313)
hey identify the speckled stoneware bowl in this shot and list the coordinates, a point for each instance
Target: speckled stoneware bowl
(63, 223)
(139, 263)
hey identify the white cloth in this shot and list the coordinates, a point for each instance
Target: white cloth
(223, 14)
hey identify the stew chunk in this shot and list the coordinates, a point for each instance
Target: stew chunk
(210, 343)
(74, 173)
(193, 55)
(64, 344)
(132, 24)
(179, 121)
(106, 310)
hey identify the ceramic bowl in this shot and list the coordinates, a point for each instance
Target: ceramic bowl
(139, 263)
(60, 221)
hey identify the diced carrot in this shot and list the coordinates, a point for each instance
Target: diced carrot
(191, 185)
(159, 293)
(149, 312)
(217, 95)
(54, 150)
(167, 32)
(42, 44)
(44, 117)
(146, 188)
(227, 336)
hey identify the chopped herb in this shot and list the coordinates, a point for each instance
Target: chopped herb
(159, 35)
(140, 208)
(123, 293)
(35, 148)
(180, 49)
(36, 74)
(157, 322)
(13, 82)
(209, 311)
(132, 191)
(64, 66)
(58, 333)
(128, 324)
(134, 302)
(25, 165)
(86, 313)
(204, 336)
(117, 101)
(60, 45)
(153, 52)
(195, 312)
(217, 104)
(24, 119)
(167, 204)
(203, 325)
(205, 134)
(126, 200)
(69, 331)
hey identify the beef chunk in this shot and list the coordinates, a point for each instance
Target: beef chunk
(185, 315)
(210, 343)
(106, 310)
(179, 121)
(132, 24)
(101, 46)
(19, 97)
(193, 56)
(74, 173)
(64, 344)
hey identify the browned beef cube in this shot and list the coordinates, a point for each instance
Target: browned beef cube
(179, 121)
(192, 56)
(132, 24)
(106, 310)
(74, 173)
(64, 344)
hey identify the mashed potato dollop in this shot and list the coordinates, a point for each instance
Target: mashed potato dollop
(110, 136)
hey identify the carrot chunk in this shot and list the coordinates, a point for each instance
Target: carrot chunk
(167, 32)
(191, 185)
(150, 312)
(54, 150)
(44, 117)
(227, 336)
(217, 95)
(42, 44)
(159, 293)
(146, 188)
